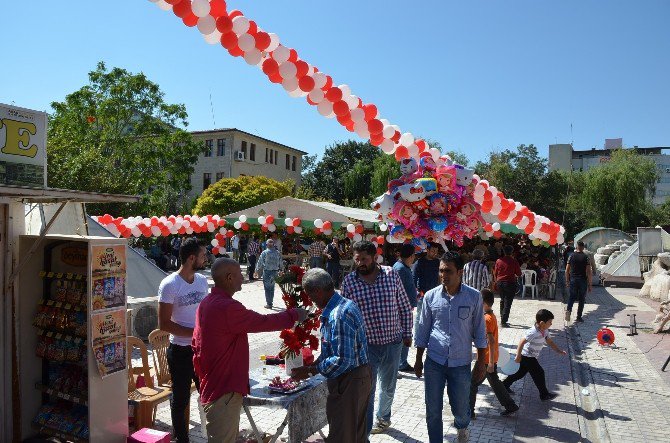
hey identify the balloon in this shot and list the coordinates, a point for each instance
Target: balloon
(510, 368)
(296, 222)
(261, 220)
(495, 226)
(298, 229)
(269, 219)
(237, 224)
(351, 228)
(246, 42)
(503, 356)
(406, 139)
(383, 227)
(318, 223)
(214, 242)
(357, 237)
(240, 24)
(206, 24)
(200, 8)
(243, 218)
(272, 228)
(288, 221)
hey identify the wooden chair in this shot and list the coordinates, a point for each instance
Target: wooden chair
(147, 397)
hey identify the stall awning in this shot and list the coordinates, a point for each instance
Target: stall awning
(10, 194)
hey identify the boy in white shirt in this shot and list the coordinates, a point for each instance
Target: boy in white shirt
(529, 349)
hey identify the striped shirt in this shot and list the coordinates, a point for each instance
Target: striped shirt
(269, 260)
(343, 343)
(476, 275)
(316, 249)
(535, 341)
(253, 248)
(384, 304)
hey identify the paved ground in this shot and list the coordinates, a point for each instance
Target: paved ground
(604, 394)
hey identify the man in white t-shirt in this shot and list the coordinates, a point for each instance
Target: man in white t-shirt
(235, 246)
(179, 296)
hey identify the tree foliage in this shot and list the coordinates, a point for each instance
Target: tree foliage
(230, 195)
(117, 135)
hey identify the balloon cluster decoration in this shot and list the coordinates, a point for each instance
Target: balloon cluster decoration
(538, 227)
(431, 202)
(267, 223)
(324, 227)
(162, 226)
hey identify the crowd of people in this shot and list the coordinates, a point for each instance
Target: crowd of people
(438, 303)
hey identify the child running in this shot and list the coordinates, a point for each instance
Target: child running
(529, 349)
(492, 359)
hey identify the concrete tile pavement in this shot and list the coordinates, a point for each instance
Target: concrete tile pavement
(565, 419)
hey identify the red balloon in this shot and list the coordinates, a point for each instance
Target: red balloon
(303, 68)
(341, 108)
(370, 111)
(376, 140)
(215, 250)
(229, 234)
(487, 205)
(172, 2)
(222, 222)
(219, 236)
(236, 51)
(275, 78)
(229, 40)
(217, 8)
(293, 56)
(350, 235)
(401, 152)
(253, 28)
(306, 83)
(334, 94)
(381, 239)
(374, 126)
(529, 229)
(269, 219)
(182, 230)
(296, 222)
(497, 234)
(420, 143)
(190, 20)
(396, 137)
(329, 83)
(290, 229)
(224, 24)
(310, 101)
(270, 66)
(245, 226)
(359, 229)
(262, 40)
(380, 251)
(154, 221)
(264, 228)
(327, 225)
(235, 13)
(182, 9)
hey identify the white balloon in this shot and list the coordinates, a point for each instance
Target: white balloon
(358, 115)
(325, 108)
(288, 221)
(206, 24)
(223, 231)
(406, 139)
(298, 229)
(155, 231)
(274, 42)
(388, 131)
(380, 259)
(316, 96)
(240, 25)
(272, 227)
(357, 237)
(189, 231)
(136, 231)
(281, 54)
(362, 132)
(388, 146)
(327, 231)
(237, 224)
(352, 101)
(319, 79)
(243, 218)
(383, 227)
(165, 6)
(200, 8)
(413, 150)
(290, 84)
(253, 57)
(346, 90)
(318, 223)
(214, 242)
(261, 220)
(496, 226)
(213, 38)
(351, 228)
(246, 42)
(287, 69)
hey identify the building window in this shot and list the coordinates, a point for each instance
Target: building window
(252, 152)
(276, 157)
(219, 176)
(272, 156)
(293, 164)
(266, 155)
(206, 180)
(208, 147)
(288, 161)
(221, 147)
(244, 149)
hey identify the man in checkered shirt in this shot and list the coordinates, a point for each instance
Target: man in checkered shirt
(475, 273)
(315, 252)
(387, 315)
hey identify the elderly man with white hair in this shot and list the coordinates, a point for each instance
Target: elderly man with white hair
(343, 360)
(475, 273)
(267, 267)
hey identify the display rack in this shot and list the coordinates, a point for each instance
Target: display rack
(72, 334)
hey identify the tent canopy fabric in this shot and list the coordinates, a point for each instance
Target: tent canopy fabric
(307, 211)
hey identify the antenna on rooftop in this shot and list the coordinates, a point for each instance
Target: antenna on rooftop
(211, 105)
(572, 139)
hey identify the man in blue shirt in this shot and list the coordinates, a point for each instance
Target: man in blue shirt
(403, 268)
(343, 360)
(451, 320)
(267, 267)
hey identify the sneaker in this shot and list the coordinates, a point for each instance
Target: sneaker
(267, 307)
(579, 320)
(381, 427)
(567, 316)
(548, 397)
(509, 411)
(463, 435)
(409, 369)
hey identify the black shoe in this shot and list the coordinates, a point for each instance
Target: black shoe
(509, 411)
(548, 397)
(267, 307)
(505, 325)
(579, 320)
(409, 369)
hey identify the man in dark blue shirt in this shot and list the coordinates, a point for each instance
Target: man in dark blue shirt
(426, 272)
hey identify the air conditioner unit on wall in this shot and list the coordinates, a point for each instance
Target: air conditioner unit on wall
(239, 156)
(142, 316)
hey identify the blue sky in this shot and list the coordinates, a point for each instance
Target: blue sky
(474, 75)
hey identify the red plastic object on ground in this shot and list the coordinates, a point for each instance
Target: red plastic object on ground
(146, 435)
(605, 337)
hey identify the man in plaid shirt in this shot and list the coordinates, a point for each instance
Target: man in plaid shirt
(315, 252)
(253, 251)
(387, 315)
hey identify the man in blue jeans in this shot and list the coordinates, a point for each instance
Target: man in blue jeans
(578, 276)
(451, 320)
(404, 270)
(387, 317)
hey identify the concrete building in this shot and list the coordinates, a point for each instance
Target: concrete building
(231, 152)
(562, 157)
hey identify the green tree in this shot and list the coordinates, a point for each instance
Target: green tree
(230, 195)
(357, 184)
(660, 215)
(619, 191)
(117, 135)
(384, 169)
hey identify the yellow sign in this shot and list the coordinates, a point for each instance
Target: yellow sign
(23, 139)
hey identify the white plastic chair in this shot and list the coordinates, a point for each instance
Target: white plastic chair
(529, 281)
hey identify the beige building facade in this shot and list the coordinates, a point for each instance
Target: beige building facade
(232, 153)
